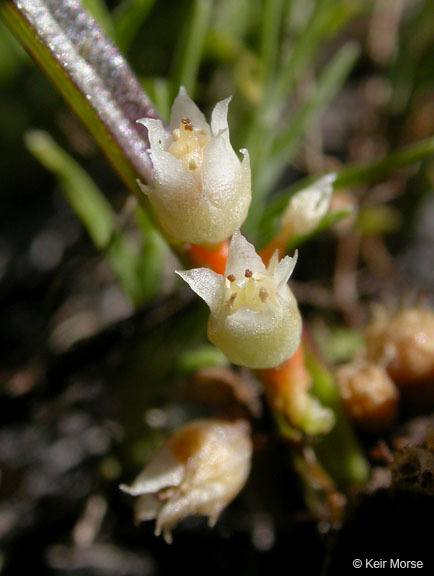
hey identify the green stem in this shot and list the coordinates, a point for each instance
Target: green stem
(338, 451)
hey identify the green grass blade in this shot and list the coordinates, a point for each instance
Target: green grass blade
(93, 210)
(270, 32)
(346, 177)
(286, 144)
(328, 85)
(191, 45)
(326, 222)
(128, 17)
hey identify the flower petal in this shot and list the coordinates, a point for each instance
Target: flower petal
(176, 187)
(156, 132)
(199, 500)
(146, 508)
(241, 256)
(162, 471)
(245, 170)
(283, 269)
(219, 117)
(206, 283)
(184, 107)
(220, 171)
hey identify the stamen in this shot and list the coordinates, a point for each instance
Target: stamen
(230, 301)
(263, 294)
(248, 273)
(186, 122)
(231, 278)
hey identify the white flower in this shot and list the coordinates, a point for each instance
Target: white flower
(307, 207)
(254, 317)
(199, 469)
(200, 191)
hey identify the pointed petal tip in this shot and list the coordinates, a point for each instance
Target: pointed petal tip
(331, 177)
(127, 489)
(206, 283)
(143, 187)
(144, 121)
(242, 254)
(219, 117)
(184, 107)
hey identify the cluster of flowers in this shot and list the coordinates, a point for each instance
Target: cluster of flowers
(397, 359)
(201, 194)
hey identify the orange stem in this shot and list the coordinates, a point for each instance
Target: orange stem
(285, 381)
(213, 257)
(277, 243)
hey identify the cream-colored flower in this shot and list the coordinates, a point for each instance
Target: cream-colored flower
(199, 469)
(308, 207)
(200, 191)
(404, 343)
(368, 394)
(254, 317)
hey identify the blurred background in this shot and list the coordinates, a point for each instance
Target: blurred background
(96, 362)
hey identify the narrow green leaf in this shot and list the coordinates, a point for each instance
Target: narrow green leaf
(151, 256)
(374, 171)
(328, 84)
(93, 210)
(200, 357)
(160, 94)
(128, 17)
(348, 176)
(270, 37)
(90, 205)
(190, 49)
(12, 56)
(303, 52)
(326, 222)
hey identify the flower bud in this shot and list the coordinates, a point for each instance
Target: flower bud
(254, 317)
(307, 207)
(369, 395)
(404, 342)
(200, 191)
(199, 469)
